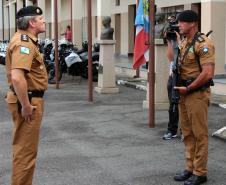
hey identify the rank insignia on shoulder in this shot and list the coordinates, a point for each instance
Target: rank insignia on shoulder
(200, 39)
(24, 38)
(24, 50)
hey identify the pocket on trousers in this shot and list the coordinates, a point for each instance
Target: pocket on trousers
(11, 97)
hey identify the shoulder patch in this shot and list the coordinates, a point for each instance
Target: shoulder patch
(205, 49)
(24, 50)
(191, 50)
(24, 38)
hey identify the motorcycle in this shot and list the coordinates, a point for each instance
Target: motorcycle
(3, 47)
(64, 50)
(95, 62)
(72, 61)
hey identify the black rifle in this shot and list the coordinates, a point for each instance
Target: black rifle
(175, 76)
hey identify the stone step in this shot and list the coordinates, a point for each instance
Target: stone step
(125, 76)
(219, 87)
(126, 70)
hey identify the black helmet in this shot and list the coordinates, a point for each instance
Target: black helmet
(85, 45)
(96, 47)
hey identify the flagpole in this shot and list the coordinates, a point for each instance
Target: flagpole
(56, 43)
(90, 68)
(138, 69)
(71, 4)
(151, 65)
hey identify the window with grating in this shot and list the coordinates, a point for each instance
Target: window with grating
(117, 2)
(173, 10)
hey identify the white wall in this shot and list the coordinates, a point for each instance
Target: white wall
(216, 22)
(124, 34)
(166, 3)
(48, 15)
(1, 22)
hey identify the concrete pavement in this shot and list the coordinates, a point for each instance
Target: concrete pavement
(107, 142)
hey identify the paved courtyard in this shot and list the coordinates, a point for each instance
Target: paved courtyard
(107, 142)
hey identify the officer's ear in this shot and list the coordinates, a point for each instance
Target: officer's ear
(194, 24)
(32, 22)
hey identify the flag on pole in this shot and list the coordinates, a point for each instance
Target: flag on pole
(141, 53)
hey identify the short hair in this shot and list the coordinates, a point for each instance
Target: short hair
(23, 22)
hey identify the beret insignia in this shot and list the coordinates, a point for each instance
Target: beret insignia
(38, 11)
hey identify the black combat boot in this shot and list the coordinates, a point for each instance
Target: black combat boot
(195, 180)
(183, 176)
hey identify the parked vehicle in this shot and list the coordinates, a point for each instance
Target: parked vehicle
(3, 47)
(95, 62)
(72, 61)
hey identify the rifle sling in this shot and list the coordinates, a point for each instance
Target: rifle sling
(188, 48)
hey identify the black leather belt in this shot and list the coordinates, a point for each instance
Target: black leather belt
(186, 83)
(38, 94)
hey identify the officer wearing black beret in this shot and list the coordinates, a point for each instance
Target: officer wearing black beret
(27, 79)
(29, 11)
(187, 16)
(196, 60)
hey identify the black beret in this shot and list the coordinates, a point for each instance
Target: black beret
(188, 16)
(29, 11)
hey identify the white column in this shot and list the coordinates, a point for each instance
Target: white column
(19, 4)
(41, 4)
(59, 16)
(6, 22)
(103, 8)
(161, 77)
(1, 22)
(78, 13)
(28, 3)
(12, 18)
(106, 75)
(210, 20)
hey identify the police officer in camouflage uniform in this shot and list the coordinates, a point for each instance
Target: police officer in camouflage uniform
(196, 61)
(27, 79)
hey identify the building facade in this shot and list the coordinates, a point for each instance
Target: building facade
(74, 12)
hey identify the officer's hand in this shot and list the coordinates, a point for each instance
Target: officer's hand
(182, 89)
(178, 38)
(170, 52)
(27, 111)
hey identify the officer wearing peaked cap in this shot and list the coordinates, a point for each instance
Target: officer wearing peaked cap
(27, 79)
(196, 61)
